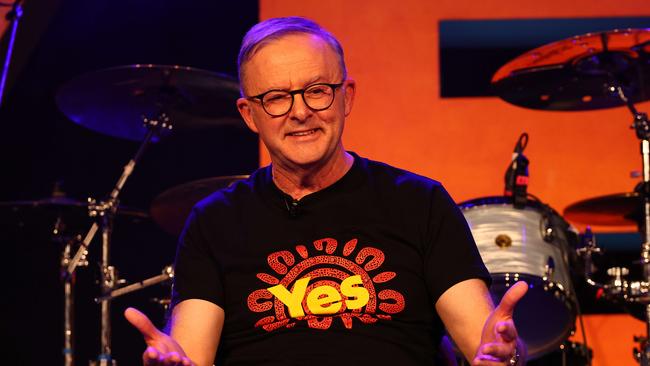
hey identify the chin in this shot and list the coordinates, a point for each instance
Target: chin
(307, 158)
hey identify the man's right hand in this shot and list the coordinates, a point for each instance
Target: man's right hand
(162, 349)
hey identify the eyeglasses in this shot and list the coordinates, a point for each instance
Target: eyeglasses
(317, 97)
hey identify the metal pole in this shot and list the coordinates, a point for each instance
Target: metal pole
(645, 248)
(107, 213)
(15, 14)
(107, 285)
(68, 344)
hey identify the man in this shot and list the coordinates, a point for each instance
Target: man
(324, 257)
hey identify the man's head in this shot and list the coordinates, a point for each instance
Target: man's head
(296, 63)
(275, 28)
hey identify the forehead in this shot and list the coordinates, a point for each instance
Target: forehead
(291, 61)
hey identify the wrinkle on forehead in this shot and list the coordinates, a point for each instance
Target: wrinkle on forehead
(291, 62)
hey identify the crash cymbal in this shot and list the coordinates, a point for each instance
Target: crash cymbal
(66, 204)
(172, 207)
(113, 101)
(621, 209)
(579, 73)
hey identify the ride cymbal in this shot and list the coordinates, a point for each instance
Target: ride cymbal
(579, 73)
(114, 101)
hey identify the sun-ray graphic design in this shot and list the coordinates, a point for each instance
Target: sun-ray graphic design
(315, 285)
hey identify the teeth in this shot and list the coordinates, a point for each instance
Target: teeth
(304, 133)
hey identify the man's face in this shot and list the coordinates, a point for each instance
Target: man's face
(303, 137)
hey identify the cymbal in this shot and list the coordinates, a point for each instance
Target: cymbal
(579, 73)
(113, 101)
(65, 203)
(172, 207)
(621, 209)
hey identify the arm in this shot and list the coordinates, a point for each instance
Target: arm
(486, 335)
(463, 309)
(196, 327)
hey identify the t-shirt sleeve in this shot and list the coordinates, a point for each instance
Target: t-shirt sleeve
(451, 255)
(197, 274)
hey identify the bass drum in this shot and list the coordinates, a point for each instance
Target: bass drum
(533, 244)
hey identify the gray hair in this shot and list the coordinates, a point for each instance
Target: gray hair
(275, 28)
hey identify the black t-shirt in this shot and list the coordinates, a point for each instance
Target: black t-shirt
(349, 275)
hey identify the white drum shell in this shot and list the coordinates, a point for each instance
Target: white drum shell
(529, 253)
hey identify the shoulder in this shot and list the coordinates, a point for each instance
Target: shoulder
(401, 179)
(228, 197)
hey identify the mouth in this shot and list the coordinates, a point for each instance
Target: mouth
(302, 133)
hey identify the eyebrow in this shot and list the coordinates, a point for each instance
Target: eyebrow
(309, 82)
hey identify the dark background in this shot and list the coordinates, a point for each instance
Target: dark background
(57, 41)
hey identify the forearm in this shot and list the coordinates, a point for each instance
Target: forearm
(196, 325)
(464, 309)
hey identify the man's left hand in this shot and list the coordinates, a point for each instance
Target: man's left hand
(499, 338)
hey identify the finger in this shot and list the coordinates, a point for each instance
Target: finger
(142, 323)
(150, 357)
(507, 331)
(497, 351)
(507, 305)
(486, 360)
(172, 359)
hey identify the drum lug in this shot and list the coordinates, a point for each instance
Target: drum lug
(548, 234)
(549, 269)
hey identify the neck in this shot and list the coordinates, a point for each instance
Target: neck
(300, 181)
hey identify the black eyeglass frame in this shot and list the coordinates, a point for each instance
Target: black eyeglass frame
(293, 93)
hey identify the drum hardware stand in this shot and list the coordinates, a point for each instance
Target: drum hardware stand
(167, 274)
(105, 211)
(618, 287)
(68, 295)
(68, 290)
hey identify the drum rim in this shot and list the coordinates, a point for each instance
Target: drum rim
(504, 200)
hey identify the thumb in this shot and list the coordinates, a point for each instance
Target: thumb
(142, 323)
(507, 305)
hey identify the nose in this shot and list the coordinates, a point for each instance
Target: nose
(299, 111)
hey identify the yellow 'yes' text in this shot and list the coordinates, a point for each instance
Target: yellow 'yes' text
(323, 299)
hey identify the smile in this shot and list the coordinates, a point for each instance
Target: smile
(303, 133)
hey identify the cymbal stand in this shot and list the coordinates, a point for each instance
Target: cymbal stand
(68, 291)
(641, 126)
(619, 288)
(68, 307)
(167, 274)
(14, 16)
(105, 211)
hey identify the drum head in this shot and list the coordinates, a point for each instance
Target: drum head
(544, 317)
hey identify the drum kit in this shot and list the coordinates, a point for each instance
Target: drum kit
(144, 103)
(519, 236)
(522, 238)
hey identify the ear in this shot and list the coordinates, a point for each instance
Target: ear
(244, 107)
(349, 89)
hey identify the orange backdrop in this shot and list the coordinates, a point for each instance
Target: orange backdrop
(399, 118)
